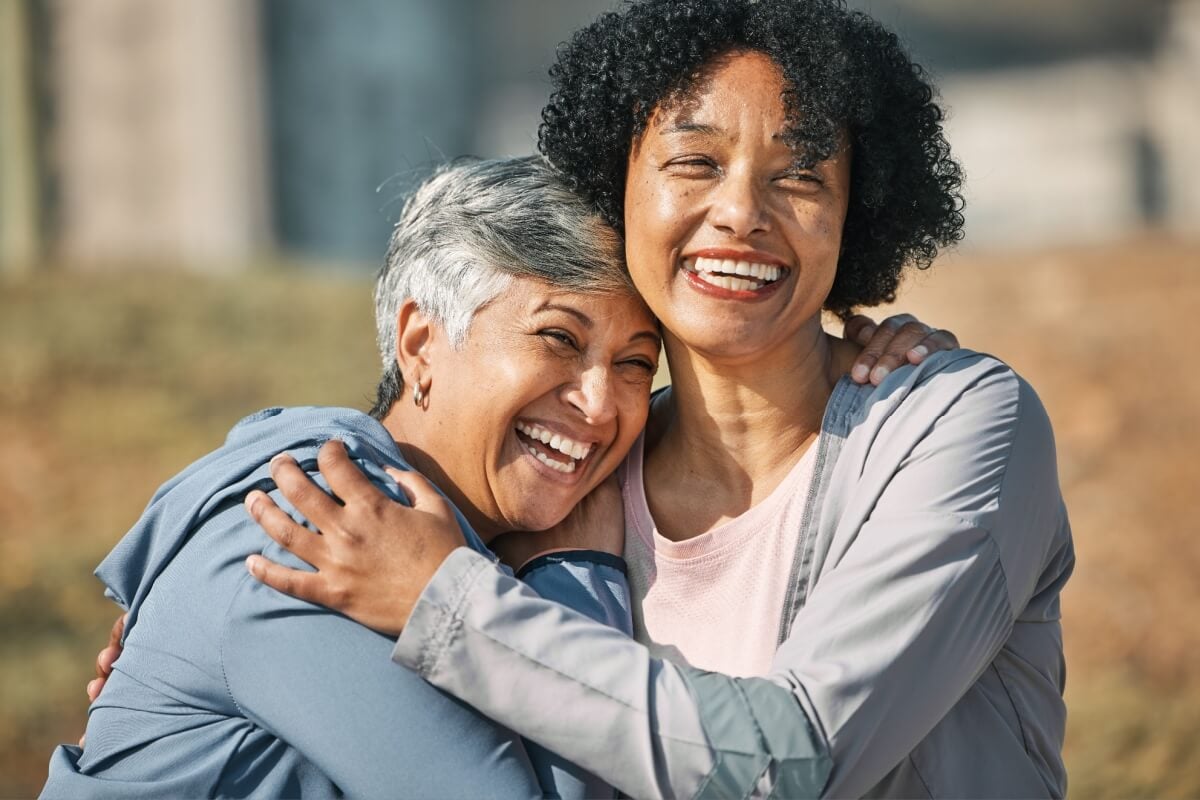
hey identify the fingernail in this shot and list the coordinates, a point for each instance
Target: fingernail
(252, 565)
(279, 458)
(860, 372)
(91, 683)
(879, 374)
(252, 501)
(865, 334)
(920, 351)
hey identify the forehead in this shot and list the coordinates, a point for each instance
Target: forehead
(526, 297)
(739, 81)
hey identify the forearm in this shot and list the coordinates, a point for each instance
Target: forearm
(650, 728)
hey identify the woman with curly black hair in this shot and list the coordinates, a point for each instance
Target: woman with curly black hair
(839, 589)
(845, 76)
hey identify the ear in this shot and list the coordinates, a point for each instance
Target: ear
(415, 333)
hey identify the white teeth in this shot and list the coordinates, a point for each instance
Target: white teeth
(729, 282)
(722, 272)
(568, 447)
(567, 467)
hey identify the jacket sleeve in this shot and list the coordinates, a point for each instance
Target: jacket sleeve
(896, 630)
(372, 730)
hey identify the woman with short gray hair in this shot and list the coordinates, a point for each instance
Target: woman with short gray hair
(517, 368)
(469, 230)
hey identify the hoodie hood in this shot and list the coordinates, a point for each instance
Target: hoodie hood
(185, 501)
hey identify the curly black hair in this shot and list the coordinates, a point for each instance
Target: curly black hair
(843, 70)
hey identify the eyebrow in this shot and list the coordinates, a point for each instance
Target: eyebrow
(587, 323)
(550, 305)
(653, 338)
(686, 125)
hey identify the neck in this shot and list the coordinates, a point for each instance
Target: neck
(735, 423)
(408, 434)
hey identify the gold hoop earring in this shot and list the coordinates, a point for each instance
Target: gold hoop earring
(418, 396)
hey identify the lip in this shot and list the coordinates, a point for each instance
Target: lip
(744, 295)
(757, 256)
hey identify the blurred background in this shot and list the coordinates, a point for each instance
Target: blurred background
(195, 193)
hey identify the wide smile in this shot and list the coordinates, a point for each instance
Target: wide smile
(733, 278)
(560, 453)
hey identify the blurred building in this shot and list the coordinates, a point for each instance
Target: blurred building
(1074, 120)
(208, 132)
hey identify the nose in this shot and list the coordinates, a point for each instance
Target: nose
(739, 207)
(594, 395)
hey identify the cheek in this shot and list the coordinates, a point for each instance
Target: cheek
(817, 230)
(656, 230)
(635, 410)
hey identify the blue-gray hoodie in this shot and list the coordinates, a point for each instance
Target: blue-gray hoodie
(228, 688)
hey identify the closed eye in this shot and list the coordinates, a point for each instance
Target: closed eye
(691, 166)
(559, 338)
(802, 177)
(642, 363)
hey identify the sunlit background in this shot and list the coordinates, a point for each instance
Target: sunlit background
(194, 194)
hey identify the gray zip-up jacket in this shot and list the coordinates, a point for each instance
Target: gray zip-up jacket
(227, 688)
(921, 650)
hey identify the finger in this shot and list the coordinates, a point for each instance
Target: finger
(859, 328)
(933, 342)
(308, 498)
(286, 532)
(420, 492)
(93, 688)
(82, 739)
(104, 661)
(345, 479)
(861, 371)
(308, 586)
(117, 632)
(898, 351)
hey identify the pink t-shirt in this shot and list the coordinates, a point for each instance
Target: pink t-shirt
(713, 601)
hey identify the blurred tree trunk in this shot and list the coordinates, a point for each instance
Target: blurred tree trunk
(19, 203)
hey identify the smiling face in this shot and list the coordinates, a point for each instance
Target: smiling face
(732, 245)
(542, 401)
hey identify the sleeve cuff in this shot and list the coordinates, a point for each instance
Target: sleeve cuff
(575, 557)
(434, 619)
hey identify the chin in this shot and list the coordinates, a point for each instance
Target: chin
(540, 519)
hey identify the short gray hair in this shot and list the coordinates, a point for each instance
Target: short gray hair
(472, 227)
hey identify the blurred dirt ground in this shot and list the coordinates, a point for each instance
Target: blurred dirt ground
(111, 384)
